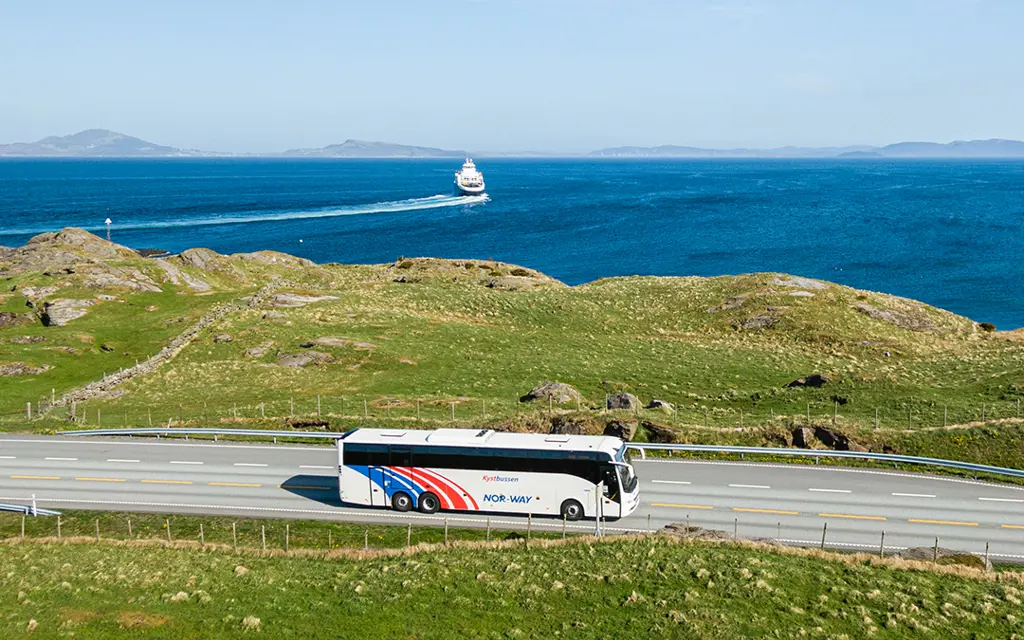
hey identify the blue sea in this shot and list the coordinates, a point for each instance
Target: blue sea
(950, 233)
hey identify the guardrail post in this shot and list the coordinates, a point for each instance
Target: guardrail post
(881, 547)
(824, 531)
(935, 552)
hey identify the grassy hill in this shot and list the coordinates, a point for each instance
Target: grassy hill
(426, 336)
(637, 587)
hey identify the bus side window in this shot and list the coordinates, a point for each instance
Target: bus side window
(401, 457)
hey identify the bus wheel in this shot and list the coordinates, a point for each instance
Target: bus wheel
(429, 503)
(401, 501)
(572, 510)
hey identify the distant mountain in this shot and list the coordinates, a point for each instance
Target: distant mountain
(958, 149)
(364, 149)
(92, 143)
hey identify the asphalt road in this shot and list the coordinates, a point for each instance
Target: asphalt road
(788, 502)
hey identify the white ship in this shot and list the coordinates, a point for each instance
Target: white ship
(469, 181)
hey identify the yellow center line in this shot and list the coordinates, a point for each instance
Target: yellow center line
(167, 481)
(233, 484)
(680, 506)
(851, 517)
(302, 486)
(1013, 526)
(101, 479)
(35, 477)
(952, 522)
(785, 513)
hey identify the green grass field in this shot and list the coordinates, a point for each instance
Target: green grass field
(412, 342)
(638, 587)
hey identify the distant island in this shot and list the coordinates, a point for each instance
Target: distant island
(102, 143)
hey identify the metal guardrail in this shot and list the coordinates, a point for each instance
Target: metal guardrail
(642, 447)
(173, 432)
(28, 510)
(817, 453)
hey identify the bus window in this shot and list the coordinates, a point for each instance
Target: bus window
(401, 457)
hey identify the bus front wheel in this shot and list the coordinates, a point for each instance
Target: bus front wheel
(572, 510)
(429, 503)
(401, 501)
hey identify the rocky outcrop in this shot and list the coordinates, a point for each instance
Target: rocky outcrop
(757, 323)
(910, 321)
(21, 369)
(575, 425)
(200, 258)
(293, 300)
(178, 277)
(275, 258)
(337, 343)
(35, 293)
(222, 338)
(9, 319)
(27, 339)
(698, 533)
(626, 401)
(621, 430)
(298, 360)
(57, 313)
(558, 392)
(815, 380)
(658, 433)
(81, 242)
(117, 278)
(798, 282)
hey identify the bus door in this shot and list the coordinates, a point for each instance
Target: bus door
(378, 486)
(612, 499)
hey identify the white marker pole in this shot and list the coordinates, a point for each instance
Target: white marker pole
(108, 222)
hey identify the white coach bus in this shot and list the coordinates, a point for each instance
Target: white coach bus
(571, 477)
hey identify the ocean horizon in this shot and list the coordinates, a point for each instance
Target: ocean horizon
(946, 232)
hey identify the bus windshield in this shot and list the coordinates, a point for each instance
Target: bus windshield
(627, 477)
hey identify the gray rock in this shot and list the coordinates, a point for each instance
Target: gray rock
(946, 556)
(58, 313)
(910, 322)
(28, 339)
(801, 294)
(303, 359)
(622, 430)
(178, 277)
(260, 351)
(757, 323)
(22, 369)
(803, 437)
(623, 401)
(202, 259)
(9, 319)
(274, 315)
(798, 282)
(38, 292)
(221, 337)
(293, 300)
(559, 392)
(338, 342)
(660, 405)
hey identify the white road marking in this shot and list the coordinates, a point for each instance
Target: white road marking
(7, 458)
(914, 495)
(120, 460)
(184, 462)
(249, 464)
(831, 490)
(750, 486)
(669, 482)
(63, 459)
(313, 466)
(1000, 499)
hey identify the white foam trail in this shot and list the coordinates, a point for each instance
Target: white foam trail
(413, 204)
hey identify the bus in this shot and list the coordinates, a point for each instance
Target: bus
(568, 476)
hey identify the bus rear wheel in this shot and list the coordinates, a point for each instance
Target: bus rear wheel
(429, 503)
(401, 501)
(572, 510)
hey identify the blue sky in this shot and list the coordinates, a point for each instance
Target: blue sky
(562, 75)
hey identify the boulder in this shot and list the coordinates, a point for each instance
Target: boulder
(815, 380)
(559, 392)
(136, 281)
(621, 430)
(570, 425)
(757, 323)
(222, 338)
(202, 259)
(275, 315)
(658, 433)
(918, 321)
(38, 292)
(626, 401)
(21, 369)
(58, 313)
(803, 437)
(293, 300)
(660, 405)
(303, 359)
(260, 351)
